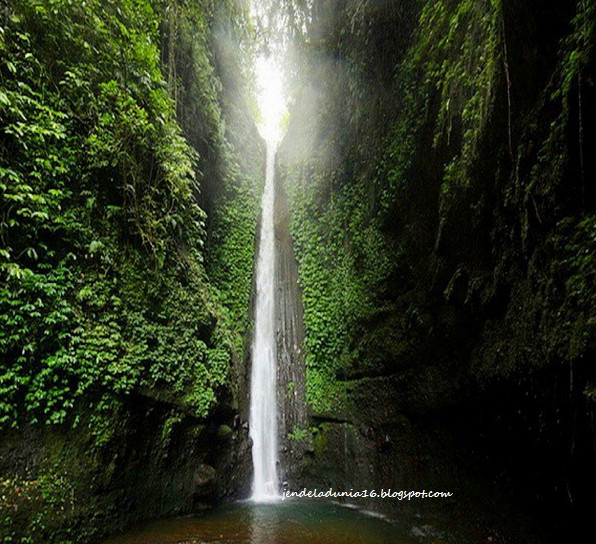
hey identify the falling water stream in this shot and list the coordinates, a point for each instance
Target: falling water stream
(263, 399)
(266, 519)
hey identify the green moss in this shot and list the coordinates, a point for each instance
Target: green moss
(343, 258)
(104, 291)
(321, 440)
(103, 287)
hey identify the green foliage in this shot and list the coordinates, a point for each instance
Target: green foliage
(343, 260)
(481, 177)
(577, 269)
(105, 300)
(577, 51)
(566, 85)
(457, 55)
(581, 257)
(459, 51)
(298, 435)
(231, 154)
(446, 85)
(102, 287)
(232, 250)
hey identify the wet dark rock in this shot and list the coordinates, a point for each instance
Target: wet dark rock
(137, 475)
(293, 422)
(472, 371)
(205, 476)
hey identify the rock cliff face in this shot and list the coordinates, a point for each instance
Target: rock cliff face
(140, 333)
(159, 462)
(437, 171)
(290, 339)
(436, 268)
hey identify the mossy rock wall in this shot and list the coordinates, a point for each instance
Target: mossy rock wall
(59, 486)
(130, 179)
(437, 177)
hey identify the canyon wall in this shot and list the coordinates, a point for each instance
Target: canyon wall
(437, 172)
(131, 174)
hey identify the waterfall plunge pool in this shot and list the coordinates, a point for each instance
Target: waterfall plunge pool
(288, 522)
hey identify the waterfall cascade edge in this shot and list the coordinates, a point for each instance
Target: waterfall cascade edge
(263, 417)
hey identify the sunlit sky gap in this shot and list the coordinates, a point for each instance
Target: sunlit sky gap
(272, 105)
(270, 97)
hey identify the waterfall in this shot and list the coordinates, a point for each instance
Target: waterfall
(263, 397)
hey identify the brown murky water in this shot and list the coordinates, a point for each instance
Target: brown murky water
(291, 522)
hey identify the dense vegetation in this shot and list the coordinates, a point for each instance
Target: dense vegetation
(439, 186)
(437, 168)
(452, 127)
(112, 120)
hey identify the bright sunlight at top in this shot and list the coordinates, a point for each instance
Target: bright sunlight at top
(272, 105)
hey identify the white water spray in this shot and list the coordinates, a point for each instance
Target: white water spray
(263, 418)
(263, 402)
